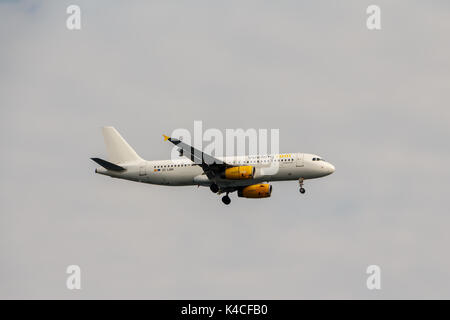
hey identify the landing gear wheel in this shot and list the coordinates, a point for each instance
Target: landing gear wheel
(214, 188)
(300, 182)
(226, 199)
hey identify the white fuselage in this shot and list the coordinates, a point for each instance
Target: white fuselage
(183, 172)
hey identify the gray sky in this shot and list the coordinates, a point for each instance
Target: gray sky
(374, 103)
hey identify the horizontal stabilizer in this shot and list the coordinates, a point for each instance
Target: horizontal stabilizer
(108, 165)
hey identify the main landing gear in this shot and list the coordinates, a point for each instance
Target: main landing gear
(226, 199)
(214, 188)
(300, 182)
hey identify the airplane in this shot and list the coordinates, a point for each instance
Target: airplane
(248, 175)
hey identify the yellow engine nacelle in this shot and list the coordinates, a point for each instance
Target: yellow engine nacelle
(239, 173)
(263, 190)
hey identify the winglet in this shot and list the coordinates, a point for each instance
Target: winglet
(166, 137)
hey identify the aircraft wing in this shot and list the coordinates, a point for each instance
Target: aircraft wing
(210, 165)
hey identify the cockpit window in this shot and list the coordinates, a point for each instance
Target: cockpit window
(317, 159)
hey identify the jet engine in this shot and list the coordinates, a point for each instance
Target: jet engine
(263, 190)
(239, 173)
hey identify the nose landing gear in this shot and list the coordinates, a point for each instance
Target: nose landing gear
(300, 182)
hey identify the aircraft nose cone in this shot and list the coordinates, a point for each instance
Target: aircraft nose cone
(331, 168)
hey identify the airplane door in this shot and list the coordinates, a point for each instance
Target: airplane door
(142, 171)
(299, 160)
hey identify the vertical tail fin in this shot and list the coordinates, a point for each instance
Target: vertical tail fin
(119, 151)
